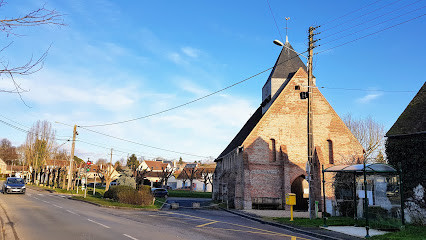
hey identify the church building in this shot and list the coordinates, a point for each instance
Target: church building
(267, 158)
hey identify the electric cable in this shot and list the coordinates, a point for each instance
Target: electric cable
(350, 34)
(359, 24)
(361, 16)
(343, 44)
(270, 9)
(190, 102)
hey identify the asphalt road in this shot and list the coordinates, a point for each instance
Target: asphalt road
(44, 215)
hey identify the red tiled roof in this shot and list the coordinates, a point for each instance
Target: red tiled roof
(156, 165)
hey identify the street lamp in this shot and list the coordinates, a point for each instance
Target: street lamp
(278, 42)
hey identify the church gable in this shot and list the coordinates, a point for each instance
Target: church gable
(285, 123)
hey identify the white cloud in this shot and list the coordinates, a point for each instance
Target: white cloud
(176, 58)
(191, 52)
(369, 97)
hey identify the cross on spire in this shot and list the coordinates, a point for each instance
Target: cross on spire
(286, 29)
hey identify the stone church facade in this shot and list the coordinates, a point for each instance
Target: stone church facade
(267, 158)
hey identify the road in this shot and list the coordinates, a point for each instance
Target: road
(44, 215)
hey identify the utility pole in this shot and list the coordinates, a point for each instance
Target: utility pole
(72, 157)
(310, 126)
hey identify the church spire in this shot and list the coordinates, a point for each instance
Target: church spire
(286, 29)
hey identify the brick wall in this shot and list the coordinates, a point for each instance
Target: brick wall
(258, 177)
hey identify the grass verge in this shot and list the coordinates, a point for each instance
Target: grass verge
(409, 232)
(112, 203)
(189, 194)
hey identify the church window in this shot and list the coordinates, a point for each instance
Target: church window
(330, 152)
(274, 150)
(297, 87)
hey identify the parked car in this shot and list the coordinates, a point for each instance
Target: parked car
(14, 185)
(160, 192)
(93, 184)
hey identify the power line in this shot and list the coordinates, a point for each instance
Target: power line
(131, 141)
(409, 20)
(350, 34)
(359, 24)
(115, 148)
(141, 144)
(361, 16)
(368, 90)
(349, 13)
(270, 9)
(13, 121)
(190, 102)
(15, 127)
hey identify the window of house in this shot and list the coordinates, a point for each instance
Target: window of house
(274, 150)
(297, 87)
(330, 152)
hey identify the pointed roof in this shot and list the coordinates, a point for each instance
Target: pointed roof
(413, 119)
(243, 133)
(287, 63)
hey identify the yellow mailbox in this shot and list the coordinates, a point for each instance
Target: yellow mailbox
(290, 199)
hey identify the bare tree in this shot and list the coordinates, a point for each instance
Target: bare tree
(7, 151)
(101, 161)
(206, 176)
(38, 17)
(39, 145)
(108, 173)
(190, 174)
(165, 174)
(369, 133)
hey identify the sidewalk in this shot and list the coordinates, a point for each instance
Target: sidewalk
(256, 215)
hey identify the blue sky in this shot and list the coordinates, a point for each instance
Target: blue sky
(119, 60)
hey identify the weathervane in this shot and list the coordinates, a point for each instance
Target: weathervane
(286, 29)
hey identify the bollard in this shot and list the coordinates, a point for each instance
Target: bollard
(174, 205)
(196, 205)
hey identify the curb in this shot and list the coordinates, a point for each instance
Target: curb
(115, 207)
(292, 228)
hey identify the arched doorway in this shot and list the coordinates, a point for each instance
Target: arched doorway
(301, 188)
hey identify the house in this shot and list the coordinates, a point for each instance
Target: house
(267, 158)
(406, 149)
(201, 177)
(154, 172)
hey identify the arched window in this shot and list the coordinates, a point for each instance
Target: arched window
(330, 152)
(274, 150)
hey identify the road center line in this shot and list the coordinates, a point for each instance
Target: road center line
(105, 226)
(45, 201)
(57, 206)
(205, 224)
(130, 236)
(73, 212)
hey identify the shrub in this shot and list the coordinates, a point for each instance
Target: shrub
(112, 193)
(127, 194)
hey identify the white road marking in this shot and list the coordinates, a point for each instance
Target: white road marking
(73, 212)
(45, 201)
(40, 194)
(36, 198)
(130, 236)
(105, 226)
(57, 206)
(29, 194)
